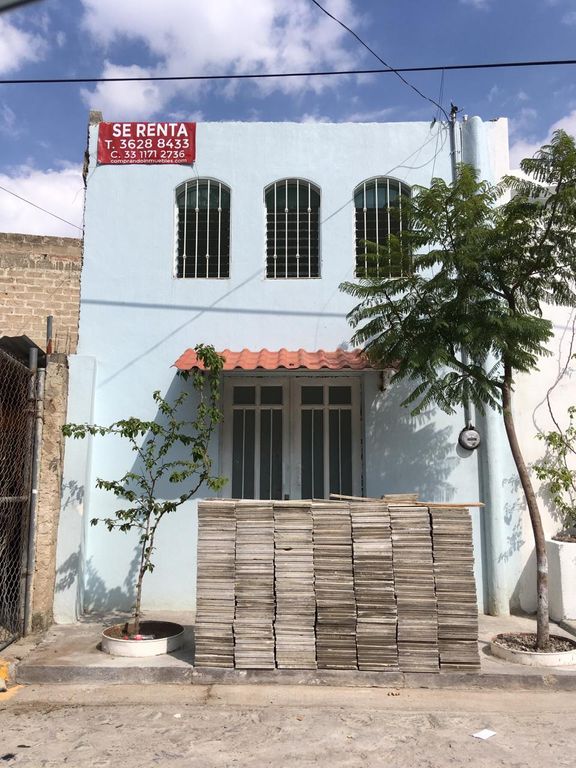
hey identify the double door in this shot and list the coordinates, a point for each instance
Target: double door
(292, 438)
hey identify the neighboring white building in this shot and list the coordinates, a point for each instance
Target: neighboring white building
(281, 209)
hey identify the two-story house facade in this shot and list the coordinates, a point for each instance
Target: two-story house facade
(245, 249)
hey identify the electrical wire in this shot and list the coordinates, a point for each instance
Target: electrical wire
(380, 59)
(268, 75)
(440, 99)
(54, 215)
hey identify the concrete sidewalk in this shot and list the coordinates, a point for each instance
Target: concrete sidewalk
(70, 654)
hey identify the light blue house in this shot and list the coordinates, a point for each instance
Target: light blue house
(245, 249)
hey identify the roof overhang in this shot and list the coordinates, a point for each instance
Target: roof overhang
(282, 359)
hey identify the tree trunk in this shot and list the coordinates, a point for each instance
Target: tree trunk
(141, 572)
(543, 613)
(138, 602)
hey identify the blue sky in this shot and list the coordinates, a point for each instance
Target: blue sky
(43, 127)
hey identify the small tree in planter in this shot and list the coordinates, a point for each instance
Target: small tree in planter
(153, 444)
(558, 472)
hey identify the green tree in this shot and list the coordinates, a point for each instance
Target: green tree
(557, 468)
(467, 315)
(173, 448)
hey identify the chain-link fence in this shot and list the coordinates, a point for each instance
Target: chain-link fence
(16, 431)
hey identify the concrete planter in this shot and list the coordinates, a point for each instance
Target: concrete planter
(562, 579)
(532, 658)
(168, 637)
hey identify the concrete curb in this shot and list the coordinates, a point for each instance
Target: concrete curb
(38, 674)
(41, 673)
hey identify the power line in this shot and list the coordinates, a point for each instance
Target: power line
(380, 59)
(265, 75)
(40, 208)
(9, 5)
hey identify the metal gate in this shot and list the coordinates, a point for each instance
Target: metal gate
(16, 447)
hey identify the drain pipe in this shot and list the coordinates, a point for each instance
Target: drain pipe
(37, 401)
(469, 437)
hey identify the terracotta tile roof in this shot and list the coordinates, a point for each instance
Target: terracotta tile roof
(265, 359)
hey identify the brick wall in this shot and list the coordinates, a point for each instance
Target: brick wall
(40, 276)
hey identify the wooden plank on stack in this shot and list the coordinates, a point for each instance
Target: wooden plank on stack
(215, 600)
(376, 622)
(334, 586)
(455, 589)
(399, 499)
(415, 589)
(254, 586)
(294, 626)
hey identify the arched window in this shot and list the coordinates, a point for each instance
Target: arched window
(378, 212)
(203, 207)
(292, 229)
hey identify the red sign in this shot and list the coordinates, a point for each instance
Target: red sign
(146, 143)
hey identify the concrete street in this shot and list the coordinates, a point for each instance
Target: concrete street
(218, 726)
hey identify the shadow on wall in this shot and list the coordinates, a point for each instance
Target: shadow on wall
(164, 488)
(97, 596)
(407, 453)
(524, 594)
(68, 573)
(72, 494)
(513, 518)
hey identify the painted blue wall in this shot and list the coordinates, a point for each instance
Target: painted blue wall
(136, 318)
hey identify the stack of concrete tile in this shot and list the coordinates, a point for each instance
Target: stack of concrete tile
(254, 586)
(215, 601)
(415, 589)
(334, 580)
(294, 626)
(374, 587)
(341, 585)
(455, 589)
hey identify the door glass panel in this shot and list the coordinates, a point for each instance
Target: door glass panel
(340, 396)
(312, 395)
(312, 453)
(271, 395)
(271, 454)
(243, 434)
(340, 451)
(244, 395)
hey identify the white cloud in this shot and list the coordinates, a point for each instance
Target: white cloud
(8, 125)
(523, 121)
(526, 147)
(569, 19)
(228, 36)
(138, 100)
(372, 116)
(309, 117)
(480, 4)
(59, 191)
(493, 93)
(18, 47)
